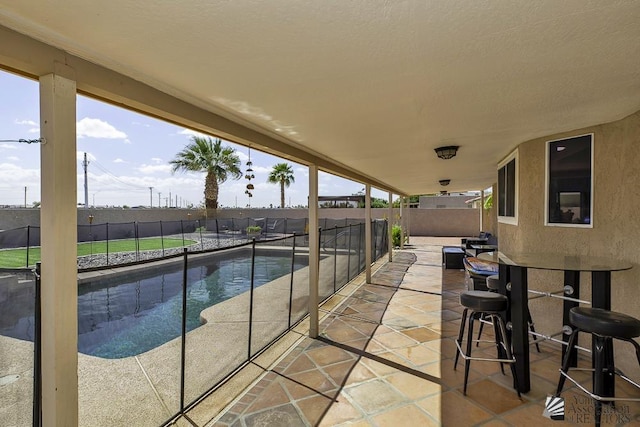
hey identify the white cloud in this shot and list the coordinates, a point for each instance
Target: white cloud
(156, 160)
(191, 133)
(26, 122)
(154, 168)
(96, 128)
(13, 158)
(34, 129)
(13, 176)
(261, 169)
(119, 160)
(242, 156)
(9, 146)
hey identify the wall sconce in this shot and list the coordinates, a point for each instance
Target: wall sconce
(447, 152)
(444, 182)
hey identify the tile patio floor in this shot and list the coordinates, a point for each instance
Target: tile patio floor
(385, 358)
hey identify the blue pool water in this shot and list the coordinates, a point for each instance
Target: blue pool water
(130, 316)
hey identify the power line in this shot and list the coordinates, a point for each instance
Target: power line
(109, 173)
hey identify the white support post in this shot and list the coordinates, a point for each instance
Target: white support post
(408, 215)
(401, 222)
(367, 232)
(389, 227)
(314, 256)
(58, 219)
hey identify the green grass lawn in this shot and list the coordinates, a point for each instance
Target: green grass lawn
(17, 258)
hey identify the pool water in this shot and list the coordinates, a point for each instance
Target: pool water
(125, 317)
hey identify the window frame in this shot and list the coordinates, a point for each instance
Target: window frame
(503, 219)
(547, 181)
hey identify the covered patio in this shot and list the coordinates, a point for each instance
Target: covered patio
(384, 357)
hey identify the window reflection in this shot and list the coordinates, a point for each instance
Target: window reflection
(570, 184)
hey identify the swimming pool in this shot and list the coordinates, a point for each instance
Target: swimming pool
(129, 315)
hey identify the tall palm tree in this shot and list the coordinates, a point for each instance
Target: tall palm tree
(282, 174)
(210, 156)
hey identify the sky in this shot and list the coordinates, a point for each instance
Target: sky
(128, 153)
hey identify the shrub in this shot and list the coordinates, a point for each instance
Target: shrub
(254, 229)
(396, 235)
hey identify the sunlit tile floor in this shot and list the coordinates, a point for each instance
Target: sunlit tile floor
(385, 358)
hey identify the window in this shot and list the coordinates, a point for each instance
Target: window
(508, 190)
(569, 201)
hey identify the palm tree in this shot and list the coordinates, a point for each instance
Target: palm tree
(207, 155)
(282, 174)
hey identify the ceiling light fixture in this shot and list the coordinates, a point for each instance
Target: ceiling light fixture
(444, 182)
(447, 152)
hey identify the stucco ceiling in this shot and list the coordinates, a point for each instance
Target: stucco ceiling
(376, 85)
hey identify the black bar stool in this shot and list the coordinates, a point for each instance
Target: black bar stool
(603, 325)
(493, 283)
(488, 305)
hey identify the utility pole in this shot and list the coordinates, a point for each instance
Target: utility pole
(169, 205)
(150, 197)
(176, 205)
(25, 197)
(85, 163)
(159, 200)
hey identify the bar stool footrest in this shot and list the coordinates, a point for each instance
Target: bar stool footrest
(483, 359)
(602, 398)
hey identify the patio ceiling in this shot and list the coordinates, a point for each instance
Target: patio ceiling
(375, 86)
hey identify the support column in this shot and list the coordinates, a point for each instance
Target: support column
(58, 219)
(408, 215)
(367, 232)
(314, 249)
(389, 227)
(401, 222)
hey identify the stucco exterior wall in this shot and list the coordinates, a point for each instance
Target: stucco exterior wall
(616, 223)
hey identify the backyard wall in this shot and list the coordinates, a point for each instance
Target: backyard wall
(616, 225)
(17, 218)
(423, 222)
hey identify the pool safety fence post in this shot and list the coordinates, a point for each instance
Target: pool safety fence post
(137, 240)
(335, 256)
(184, 330)
(360, 235)
(293, 261)
(373, 249)
(253, 265)
(349, 257)
(37, 349)
(28, 244)
(200, 230)
(161, 238)
(182, 231)
(107, 237)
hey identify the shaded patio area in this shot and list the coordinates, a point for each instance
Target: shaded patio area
(385, 358)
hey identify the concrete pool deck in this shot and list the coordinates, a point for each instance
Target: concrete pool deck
(144, 390)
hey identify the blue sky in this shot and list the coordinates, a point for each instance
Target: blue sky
(128, 153)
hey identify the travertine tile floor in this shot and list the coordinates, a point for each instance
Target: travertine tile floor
(385, 358)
